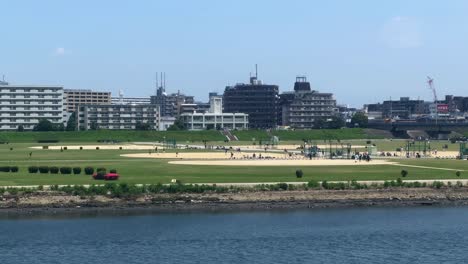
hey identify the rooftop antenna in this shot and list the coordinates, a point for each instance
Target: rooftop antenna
(157, 83)
(164, 80)
(256, 72)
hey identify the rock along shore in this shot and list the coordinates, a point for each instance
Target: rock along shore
(57, 202)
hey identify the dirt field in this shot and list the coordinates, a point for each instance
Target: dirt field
(116, 146)
(279, 162)
(210, 155)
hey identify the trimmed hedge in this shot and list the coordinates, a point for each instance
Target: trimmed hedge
(89, 170)
(101, 170)
(76, 170)
(113, 171)
(43, 169)
(33, 169)
(54, 170)
(14, 169)
(65, 170)
(5, 169)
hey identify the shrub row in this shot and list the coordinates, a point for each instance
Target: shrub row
(63, 170)
(9, 169)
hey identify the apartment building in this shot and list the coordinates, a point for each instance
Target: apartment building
(73, 98)
(117, 116)
(301, 108)
(25, 105)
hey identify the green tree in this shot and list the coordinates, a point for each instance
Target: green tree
(359, 119)
(142, 126)
(320, 123)
(71, 123)
(20, 128)
(94, 126)
(336, 122)
(44, 125)
(178, 125)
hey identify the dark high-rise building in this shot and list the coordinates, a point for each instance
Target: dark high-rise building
(258, 100)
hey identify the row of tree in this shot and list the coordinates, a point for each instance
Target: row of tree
(358, 120)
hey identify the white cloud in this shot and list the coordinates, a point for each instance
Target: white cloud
(59, 52)
(402, 32)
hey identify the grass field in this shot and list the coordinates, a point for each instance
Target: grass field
(180, 136)
(155, 171)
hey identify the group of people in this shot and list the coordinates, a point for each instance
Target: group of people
(358, 157)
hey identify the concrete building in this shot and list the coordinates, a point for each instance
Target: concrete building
(73, 98)
(170, 104)
(117, 116)
(130, 100)
(258, 100)
(25, 105)
(214, 118)
(405, 108)
(301, 108)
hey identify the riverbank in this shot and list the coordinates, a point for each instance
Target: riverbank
(56, 202)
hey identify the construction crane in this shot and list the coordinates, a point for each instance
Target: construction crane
(430, 82)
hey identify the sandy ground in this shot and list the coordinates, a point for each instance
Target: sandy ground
(440, 154)
(279, 162)
(208, 155)
(294, 147)
(116, 146)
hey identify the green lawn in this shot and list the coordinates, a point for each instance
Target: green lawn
(180, 136)
(154, 171)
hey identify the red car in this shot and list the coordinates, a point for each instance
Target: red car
(106, 177)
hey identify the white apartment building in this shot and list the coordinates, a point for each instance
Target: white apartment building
(117, 116)
(215, 118)
(25, 105)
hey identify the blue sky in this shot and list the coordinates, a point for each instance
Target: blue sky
(362, 51)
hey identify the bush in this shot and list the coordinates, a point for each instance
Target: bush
(44, 169)
(97, 148)
(14, 169)
(45, 147)
(437, 184)
(399, 182)
(100, 175)
(33, 169)
(113, 171)
(65, 170)
(313, 184)
(76, 170)
(325, 184)
(5, 168)
(299, 173)
(54, 170)
(65, 148)
(89, 170)
(282, 186)
(101, 170)
(458, 173)
(81, 148)
(404, 173)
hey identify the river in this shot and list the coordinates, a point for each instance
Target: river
(355, 235)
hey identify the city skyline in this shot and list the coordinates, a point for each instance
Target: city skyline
(360, 56)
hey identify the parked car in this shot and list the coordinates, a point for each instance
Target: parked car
(106, 176)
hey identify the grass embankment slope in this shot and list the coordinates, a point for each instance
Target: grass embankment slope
(154, 170)
(119, 135)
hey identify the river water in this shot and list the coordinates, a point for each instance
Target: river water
(356, 235)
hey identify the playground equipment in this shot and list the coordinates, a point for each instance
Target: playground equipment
(272, 143)
(417, 148)
(169, 144)
(332, 150)
(463, 151)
